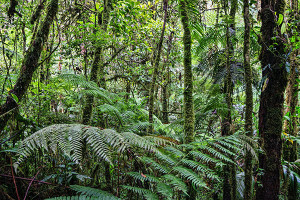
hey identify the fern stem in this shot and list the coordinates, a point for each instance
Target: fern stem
(14, 180)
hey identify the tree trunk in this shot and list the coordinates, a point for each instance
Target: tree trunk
(291, 100)
(272, 99)
(98, 69)
(29, 65)
(290, 126)
(166, 82)
(229, 183)
(156, 66)
(248, 102)
(189, 116)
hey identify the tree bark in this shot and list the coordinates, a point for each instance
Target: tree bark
(156, 66)
(272, 98)
(98, 67)
(166, 82)
(189, 116)
(29, 65)
(291, 101)
(229, 182)
(248, 102)
(290, 126)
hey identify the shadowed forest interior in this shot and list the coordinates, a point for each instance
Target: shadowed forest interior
(149, 99)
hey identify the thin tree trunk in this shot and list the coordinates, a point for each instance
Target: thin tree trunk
(248, 102)
(98, 69)
(229, 183)
(291, 100)
(29, 65)
(189, 116)
(165, 85)
(272, 98)
(156, 66)
(290, 126)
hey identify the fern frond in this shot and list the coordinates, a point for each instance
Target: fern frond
(206, 158)
(155, 165)
(201, 168)
(221, 148)
(228, 145)
(138, 141)
(165, 190)
(64, 137)
(80, 197)
(161, 140)
(216, 154)
(115, 139)
(175, 152)
(148, 194)
(69, 139)
(176, 182)
(138, 127)
(90, 87)
(191, 176)
(111, 110)
(92, 192)
(145, 177)
(166, 159)
(98, 93)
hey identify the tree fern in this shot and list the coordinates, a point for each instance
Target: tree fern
(69, 138)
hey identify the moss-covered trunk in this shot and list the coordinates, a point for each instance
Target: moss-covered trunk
(189, 116)
(272, 98)
(98, 69)
(291, 101)
(29, 65)
(248, 102)
(290, 126)
(156, 66)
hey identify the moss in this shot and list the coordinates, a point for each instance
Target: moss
(189, 117)
(30, 63)
(98, 67)
(271, 101)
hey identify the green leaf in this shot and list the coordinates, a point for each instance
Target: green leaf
(15, 97)
(280, 19)
(283, 28)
